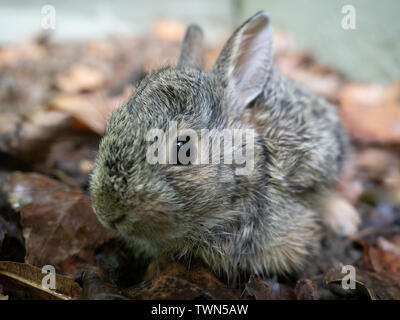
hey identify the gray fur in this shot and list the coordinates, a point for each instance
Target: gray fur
(262, 223)
(192, 51)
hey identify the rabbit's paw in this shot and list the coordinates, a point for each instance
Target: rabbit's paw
(340, 216)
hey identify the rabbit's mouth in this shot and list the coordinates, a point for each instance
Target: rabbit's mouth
(118, 221)
(143, 225)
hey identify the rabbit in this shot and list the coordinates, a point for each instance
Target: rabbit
(265, 222)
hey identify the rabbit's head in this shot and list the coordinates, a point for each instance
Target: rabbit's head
(147, 199)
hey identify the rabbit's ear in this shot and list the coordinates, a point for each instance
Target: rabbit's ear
(192, 50)
(245, 63)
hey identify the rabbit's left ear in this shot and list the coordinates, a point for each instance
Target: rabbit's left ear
(192, 50)
(244, 65)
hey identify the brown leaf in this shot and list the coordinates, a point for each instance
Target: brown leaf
(267, 289)
(383, 258)
(371, 113)
(376, 164)
(58, 223)
(30, 137)
(91, 110)
(372, 285)
(12, 54)
(29, 278)
(392, 246)
(70, 159)
(167, 288)
(175, 280)
(262, 290)
(80, 78)
(96, 285)
(198, 274)
(306, 289)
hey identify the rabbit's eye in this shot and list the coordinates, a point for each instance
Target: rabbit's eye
(179, 145)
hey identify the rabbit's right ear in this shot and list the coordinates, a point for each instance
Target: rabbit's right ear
(245, 63)
(192, 50)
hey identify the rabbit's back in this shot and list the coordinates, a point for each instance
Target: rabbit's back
(306, 142)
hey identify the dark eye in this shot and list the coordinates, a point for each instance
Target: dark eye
(179, 145)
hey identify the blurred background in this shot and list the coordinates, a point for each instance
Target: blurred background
(369, 53)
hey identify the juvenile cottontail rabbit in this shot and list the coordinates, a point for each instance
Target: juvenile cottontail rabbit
(261, 222)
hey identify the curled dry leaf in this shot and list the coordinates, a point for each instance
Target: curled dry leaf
(369, 284)
(24, 276)
(59, 226)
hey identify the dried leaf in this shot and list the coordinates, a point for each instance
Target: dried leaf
(59, 226)
(383, 258)
(180, 281)
(96, 285)
(369, 284)
(167, 288)
(370, 113)
(80, 78)
(91, 110)
(375, 164)
(27, 277)
(262, 290)
(30, 137)
(306, 289)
